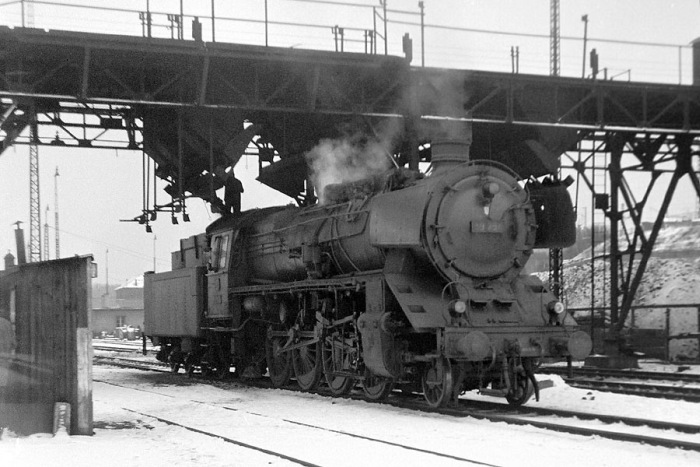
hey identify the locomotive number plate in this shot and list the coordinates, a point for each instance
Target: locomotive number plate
(488, 226)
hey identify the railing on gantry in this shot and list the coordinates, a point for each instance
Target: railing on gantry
(362, 26)
(670, 332)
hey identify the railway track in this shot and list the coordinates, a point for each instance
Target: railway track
(662, 391)
(121, 347)
(132, 363)
(612, 373)
(636, 430)
(426, 455)
(587, 424)
(675, 386)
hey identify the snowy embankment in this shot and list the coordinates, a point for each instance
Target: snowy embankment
(672, 277)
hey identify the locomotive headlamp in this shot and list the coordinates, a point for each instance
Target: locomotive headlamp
(556, 307)
(458, 306)
(490, 189)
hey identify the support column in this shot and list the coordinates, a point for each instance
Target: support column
(616, 146)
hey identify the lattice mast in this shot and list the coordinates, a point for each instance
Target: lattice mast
(55, 214)
(554, 38)
(556, 255)
(34, 195)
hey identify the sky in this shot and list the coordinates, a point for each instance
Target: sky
(98, 188)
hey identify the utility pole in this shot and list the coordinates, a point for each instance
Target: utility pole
(106, 294)
(46, 235)
(55, 208)
(386, 42)
(107, 271)
(421, 5)
(584, 18)
(213, 22)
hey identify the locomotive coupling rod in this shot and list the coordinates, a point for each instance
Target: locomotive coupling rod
(296, 346)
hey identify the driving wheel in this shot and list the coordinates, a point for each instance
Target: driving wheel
(437, 382)
(307, 365)
(376, 387)
(279, 365)
(338, 358)
(520, 392)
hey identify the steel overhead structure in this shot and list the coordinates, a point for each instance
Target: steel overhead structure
(556, 255)
(192, 106)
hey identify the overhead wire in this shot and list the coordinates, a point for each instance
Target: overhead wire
(133, 253)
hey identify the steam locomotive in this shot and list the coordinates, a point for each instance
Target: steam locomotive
(399, 280)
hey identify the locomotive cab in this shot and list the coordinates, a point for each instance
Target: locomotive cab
(218, 275)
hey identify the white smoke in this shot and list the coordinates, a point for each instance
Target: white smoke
(346, 160)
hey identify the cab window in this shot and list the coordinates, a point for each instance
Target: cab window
(220, 250)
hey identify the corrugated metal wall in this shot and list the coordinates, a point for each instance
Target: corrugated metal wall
(53, 356)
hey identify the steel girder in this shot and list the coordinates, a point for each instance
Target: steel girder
(301, 96)
(592, 105)
(81, 67)
(651, 154)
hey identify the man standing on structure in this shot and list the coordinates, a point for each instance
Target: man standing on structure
(232, 196)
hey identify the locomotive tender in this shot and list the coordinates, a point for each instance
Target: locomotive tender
(398, 280)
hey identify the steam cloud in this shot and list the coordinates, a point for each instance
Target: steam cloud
(346, 160)
(356, 157)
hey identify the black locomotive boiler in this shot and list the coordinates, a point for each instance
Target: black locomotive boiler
(399, 280)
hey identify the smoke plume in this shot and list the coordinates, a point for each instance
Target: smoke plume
(346, 160)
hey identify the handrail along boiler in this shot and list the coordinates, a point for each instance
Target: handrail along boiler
(399, 279)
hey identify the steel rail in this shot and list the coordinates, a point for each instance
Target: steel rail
(294, 422)
(631, 374)
(691, 394)
(579, 430)
(224, 438)
(604, 418)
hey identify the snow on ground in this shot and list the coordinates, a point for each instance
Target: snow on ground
(672, 276)
(666, 281)
(311, 427)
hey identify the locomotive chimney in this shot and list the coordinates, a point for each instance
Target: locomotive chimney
(449, 153)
